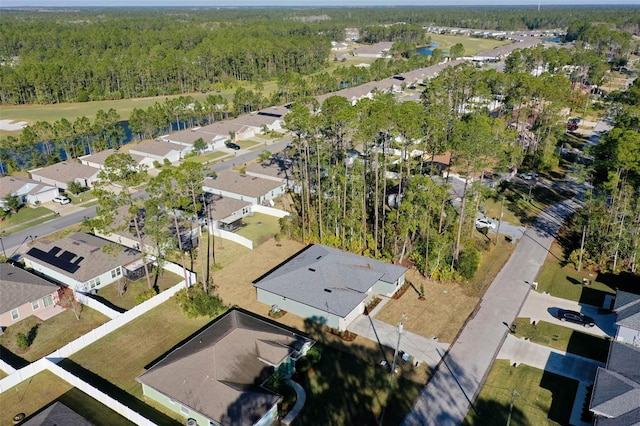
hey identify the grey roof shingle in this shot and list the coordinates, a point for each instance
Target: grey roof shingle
(57, 414)
(220, 371)
(223, 207)
(155, 147)
(83, 250)
(616, 391)
(66, 171)
(18, 287)
(237, 183)
(100, 157)
(328, 279)
(627, 308)
(12, 184)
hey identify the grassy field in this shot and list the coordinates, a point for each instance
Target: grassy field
(26, 217)
(563, 339)
(44, 388)
(259, 228)
(539, 398)
(51, 334)
(471, 45)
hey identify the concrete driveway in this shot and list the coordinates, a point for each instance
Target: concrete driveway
(543, 307)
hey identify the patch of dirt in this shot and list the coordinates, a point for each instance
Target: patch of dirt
(441, 315)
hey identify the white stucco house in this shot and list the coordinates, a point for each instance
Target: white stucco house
(255, 190)
(60, 174)
(27, 190)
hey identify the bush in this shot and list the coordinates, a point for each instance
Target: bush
(468, 263)
(75, 188)
(145, 295)
(196, 302)
(22, 340)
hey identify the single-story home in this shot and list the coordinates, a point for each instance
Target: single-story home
(627, 309)
(226, 213)
(60, 174)
(270, 118)
(160, 150)
(27, 190)
(275, 170)
(219, 376)
(328, 285)
(214, 135)
(97, 159)
(243, 187)
(79, 261)
(615, 399)
(378, 50)
(24, 294)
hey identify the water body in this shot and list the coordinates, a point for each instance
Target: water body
(553, 39)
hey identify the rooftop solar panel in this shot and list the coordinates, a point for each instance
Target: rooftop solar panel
(53, 260)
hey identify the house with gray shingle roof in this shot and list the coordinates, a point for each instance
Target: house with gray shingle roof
(255, 190)
(60, 174)
(615, 400)
(23, 294)
(377, 50)
(82, 261)
(56, 414)
(328, 285)
(627, 309)
(27, 190)
(219, 376)
(97, 159)
(159, 150)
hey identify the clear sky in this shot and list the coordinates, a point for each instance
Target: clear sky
(225, 3)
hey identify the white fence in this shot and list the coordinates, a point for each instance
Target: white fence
(257, 208)
(234, 237)
(178, 270)
(19, 376)
(6, 367)
(94, 304)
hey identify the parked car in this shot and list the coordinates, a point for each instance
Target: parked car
(61, 199)
(528, 176)
(575, 120)
(485, 222)
(572, 127)
(232, 145)
(576, 317)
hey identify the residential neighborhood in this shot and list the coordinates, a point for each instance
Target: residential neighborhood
(421, 239)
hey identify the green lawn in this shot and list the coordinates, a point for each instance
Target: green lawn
(207, 158)
(345, 390)
(471, 45)
(539, 397)
(113, 362)
(259, 228)
(563, 339)
(32, 215)
(128, 299)
(51, 334)
(34, 394)
(491, 263)
(566, 283)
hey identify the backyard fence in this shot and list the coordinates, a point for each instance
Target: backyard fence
(86, 300)
(234, 237)
(257, 208)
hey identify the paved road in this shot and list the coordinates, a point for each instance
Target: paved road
(15, 243)
(447, 397)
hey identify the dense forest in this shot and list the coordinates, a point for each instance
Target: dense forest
(93, 54)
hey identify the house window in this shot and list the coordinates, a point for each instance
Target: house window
(14, 314)
(47, 301)
(35, 305)
(116, 272)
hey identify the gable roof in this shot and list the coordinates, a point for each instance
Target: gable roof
(616, 391)
(219, 372)
(100, 157)
(18, 185)
(328, 279)
(223, 207)
(18, 287)
(155, 147)
(57, 414)
(263, 117)
(237, 183)
(66, 171)
(274, 169)
(627, 309)
(80, 256)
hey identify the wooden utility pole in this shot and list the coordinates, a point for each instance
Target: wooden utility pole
(500, 220)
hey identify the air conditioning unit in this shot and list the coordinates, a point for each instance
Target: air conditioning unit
(192, 422)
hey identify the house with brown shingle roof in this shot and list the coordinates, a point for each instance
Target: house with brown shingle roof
(255, 190)
(81, 262)
(378, 50)
(23, 294)
(60, 174)
(220, 376)
(97, 159)
(27, 190)
(159, 150)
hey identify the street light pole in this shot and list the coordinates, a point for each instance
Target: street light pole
(4, 253)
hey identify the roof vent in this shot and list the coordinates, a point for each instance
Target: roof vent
(318, 258)
(328, 290)
(312, 270)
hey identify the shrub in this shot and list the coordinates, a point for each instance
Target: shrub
(22, 340)
(167, 162)
(157, 164)
(468, 263)
(75, 188)
(145, 295)
(196, 302)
